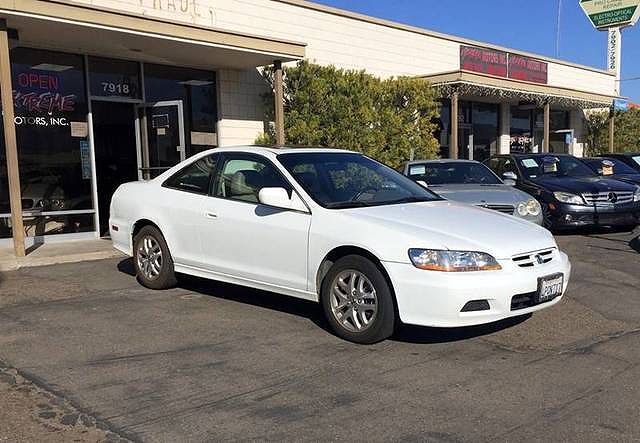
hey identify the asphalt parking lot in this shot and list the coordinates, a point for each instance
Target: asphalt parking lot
(209, 361)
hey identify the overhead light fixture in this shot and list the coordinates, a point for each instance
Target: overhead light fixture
(51, 67)
(196, 82)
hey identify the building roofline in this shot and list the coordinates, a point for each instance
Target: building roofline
(417, 30)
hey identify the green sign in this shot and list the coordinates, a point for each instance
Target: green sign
(611, 13)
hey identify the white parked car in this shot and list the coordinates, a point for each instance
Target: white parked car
(373, 247)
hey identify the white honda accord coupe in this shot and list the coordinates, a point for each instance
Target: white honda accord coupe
(370, 245)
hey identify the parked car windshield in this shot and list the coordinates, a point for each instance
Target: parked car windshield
(555, 166)
(453, 173)
(349, 180)
(596, 164)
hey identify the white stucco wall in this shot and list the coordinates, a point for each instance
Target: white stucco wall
(331, 39)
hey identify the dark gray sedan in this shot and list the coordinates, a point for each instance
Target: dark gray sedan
(472, 182)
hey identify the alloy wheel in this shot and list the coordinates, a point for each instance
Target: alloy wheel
(354, 302)
(149, 257)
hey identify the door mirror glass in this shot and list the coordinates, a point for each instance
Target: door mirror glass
(279, 198)
(509, 178)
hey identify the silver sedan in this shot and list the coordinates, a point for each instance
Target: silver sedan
(471, 182)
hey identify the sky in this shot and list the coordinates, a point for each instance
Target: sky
(519, 24)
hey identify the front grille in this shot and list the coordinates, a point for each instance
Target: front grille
(536, 258)
(505, 209)
(608, 198)
(523, 301)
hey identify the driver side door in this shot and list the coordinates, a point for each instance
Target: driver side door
(249, 240)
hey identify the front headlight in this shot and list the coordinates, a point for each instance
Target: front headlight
(452, 261)
(565, 197)
(533, 207)
(636, 195)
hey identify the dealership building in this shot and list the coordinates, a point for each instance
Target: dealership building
(107, 91)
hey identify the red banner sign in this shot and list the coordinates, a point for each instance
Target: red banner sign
(502, 64)
(484, 61)
(528, 69)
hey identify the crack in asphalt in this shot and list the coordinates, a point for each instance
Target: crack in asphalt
(62, 398)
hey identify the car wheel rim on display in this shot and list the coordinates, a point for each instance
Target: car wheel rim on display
(149, 257)
(354, 302)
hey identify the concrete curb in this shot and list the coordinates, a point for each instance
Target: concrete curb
(27, 262)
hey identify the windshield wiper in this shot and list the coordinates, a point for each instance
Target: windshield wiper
(408, 200)
(346, 205)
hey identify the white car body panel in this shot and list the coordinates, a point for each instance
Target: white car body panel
(282, 251)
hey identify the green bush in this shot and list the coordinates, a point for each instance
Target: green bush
(388, 120)
(626, 136)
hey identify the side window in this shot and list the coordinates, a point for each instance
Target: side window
(495, 164)
(242, 178)
(196, 177)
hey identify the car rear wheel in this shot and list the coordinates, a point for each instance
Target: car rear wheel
(152, 260)
(357, 301)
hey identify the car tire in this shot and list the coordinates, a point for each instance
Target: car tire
(357, 301)
(152, 259)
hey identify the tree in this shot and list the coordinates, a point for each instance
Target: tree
(626, 135)
(389, 120)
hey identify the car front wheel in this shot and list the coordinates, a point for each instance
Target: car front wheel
(357, 301)
(152, 260)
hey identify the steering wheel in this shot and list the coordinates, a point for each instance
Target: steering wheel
(362, 192)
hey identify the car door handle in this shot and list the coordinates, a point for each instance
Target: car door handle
(211, 214)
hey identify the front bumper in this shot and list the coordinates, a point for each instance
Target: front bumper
(577, 216)
(428, 298)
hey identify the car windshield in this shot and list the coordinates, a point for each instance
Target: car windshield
(457, 173)
(553, 166)
(349, 180)
(613, 166)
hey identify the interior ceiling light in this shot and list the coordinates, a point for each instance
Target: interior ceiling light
(51, 67)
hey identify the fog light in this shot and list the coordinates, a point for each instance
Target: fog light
(476, 305)
(568, 217)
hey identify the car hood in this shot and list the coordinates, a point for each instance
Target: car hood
(581, 185)
(476, 194)
(454, 226)
(629, 178)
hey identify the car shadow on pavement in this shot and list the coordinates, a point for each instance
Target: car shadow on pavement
(242, 294)
(313, 311)
(425, 335)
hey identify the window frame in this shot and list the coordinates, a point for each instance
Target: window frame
(212, 175)
(241, 155)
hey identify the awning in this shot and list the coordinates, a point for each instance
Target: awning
(107, 33)
(481, 85)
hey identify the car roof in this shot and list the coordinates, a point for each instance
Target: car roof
(619, 154)
(441, 160)
(542, 154)
(270, 150)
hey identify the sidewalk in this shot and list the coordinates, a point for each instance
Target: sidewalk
(54, 253)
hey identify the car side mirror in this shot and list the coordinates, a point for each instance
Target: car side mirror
(279, 198)
(509, 178)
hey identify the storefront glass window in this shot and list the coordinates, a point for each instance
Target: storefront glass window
(114, 78)
(485, 120)
(53, 150)
(5, 210)
(197, 91)
(521, 130)
(444, 128)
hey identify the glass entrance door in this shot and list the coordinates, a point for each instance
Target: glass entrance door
(561, 142)
(162, 136)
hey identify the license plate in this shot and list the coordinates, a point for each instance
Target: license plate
(549, 287)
